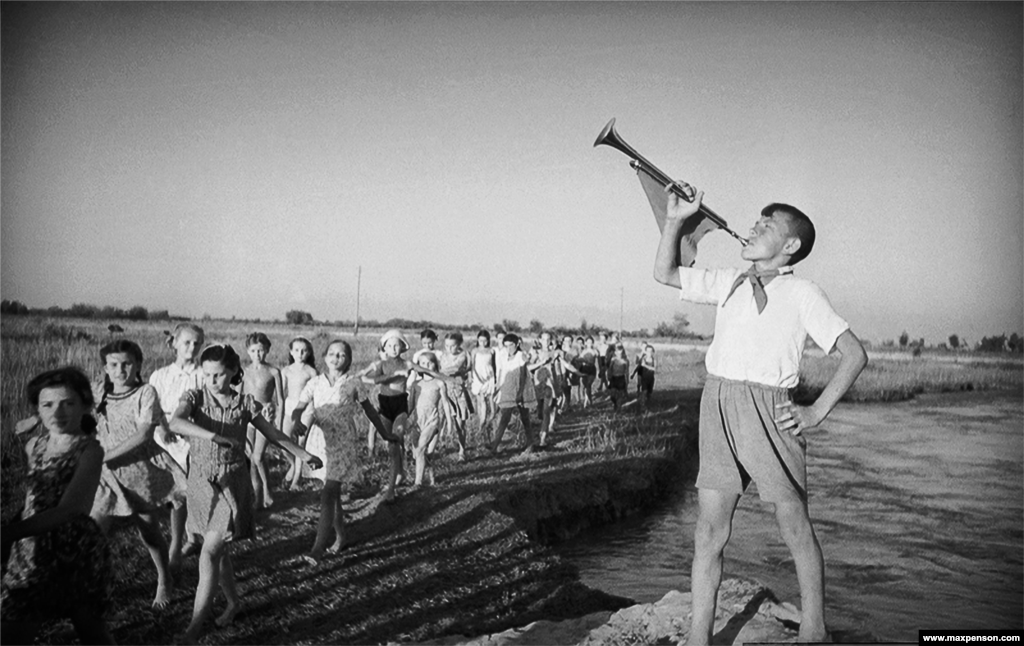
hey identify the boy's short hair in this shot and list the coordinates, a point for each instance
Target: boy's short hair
(258, 337)
(800, 227)
(512, 338)
(454, 336)
(428, 334)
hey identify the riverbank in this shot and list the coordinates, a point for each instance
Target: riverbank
(467, 556)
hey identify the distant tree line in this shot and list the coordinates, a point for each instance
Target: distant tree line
(84, 311)
(1014, 343)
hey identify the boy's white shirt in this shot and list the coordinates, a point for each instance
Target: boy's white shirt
(762, 348)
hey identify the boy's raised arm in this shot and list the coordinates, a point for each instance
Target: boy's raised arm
(666, 270)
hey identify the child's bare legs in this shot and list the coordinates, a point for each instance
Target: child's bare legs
(485, 411)
(179, 546)
(714, 525)
(798, 534)
(210, 569)
(294, 473)
(504, 417)
(420, 453)
(258, 471)
(395, 452)
(331, 518)
(230, 590)
(149, 531)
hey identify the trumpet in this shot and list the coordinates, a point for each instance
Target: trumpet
(609, 137)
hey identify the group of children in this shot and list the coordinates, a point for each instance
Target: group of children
(117, 449)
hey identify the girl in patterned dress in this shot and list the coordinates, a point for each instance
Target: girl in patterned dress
(430, 407)
(221, 500)
(456, 365)
(139, 477)
(336, 397)
(171, 382)
(59, 565)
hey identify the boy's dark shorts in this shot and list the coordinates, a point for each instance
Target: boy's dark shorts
(740, 442)
(391, 406)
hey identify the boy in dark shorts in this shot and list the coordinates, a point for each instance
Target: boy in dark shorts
(749, 427)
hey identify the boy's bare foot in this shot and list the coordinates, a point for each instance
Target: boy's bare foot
(189, 548)
(227, 616)
(267, 501)
(336, 548)
(313, 558)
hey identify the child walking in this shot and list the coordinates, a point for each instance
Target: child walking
(294, 377)
(456, 365)
(139, 478)
(171, 382)
(263, 382)
(515, 393)
(57, 561)
(392, 374)
(221, 499)
(644, 371)
(430, 408)
(335, 397)
(749, 427)
(618, 375)
(540, 367)
(483, 381)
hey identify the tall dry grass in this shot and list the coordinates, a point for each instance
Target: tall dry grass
(886, 380)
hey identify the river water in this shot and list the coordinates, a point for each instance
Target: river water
(919, 507)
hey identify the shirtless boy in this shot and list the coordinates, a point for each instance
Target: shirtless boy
(263, 382)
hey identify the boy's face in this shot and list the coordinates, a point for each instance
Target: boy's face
(769, 239)
(510, 348)
(257, 353)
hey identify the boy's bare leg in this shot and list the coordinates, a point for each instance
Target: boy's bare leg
(504, 417)
(714, 525)
(798, 534)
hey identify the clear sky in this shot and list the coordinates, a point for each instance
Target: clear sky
(246, 158)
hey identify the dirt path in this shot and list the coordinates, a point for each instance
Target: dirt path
(464, 557)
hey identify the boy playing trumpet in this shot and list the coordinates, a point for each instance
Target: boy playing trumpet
(749, 427)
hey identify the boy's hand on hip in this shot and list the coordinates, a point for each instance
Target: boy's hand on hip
(796, 419)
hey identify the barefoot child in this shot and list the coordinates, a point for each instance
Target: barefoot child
(455, 364)
(749, 427)
(171, 382)
(57, 563)
(483, 381)
(589, 359)
(335, 397)
(540, 367)
(603, 353)
(263, 382)
(429, 408)
(644, 371)
(221, 499)
(515, 393)
(392, 374)
(294, 377)
(618, 376)
(139, 477)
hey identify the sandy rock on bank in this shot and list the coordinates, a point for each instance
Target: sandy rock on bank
(747, 612)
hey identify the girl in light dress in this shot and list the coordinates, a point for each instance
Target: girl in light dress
(171, 382)
(430, 406)
(139, 477)
(335, 397)
(456, 365)
(221, 499)
(263, 382)
(57, 561)
(294, 377)
(483, 381)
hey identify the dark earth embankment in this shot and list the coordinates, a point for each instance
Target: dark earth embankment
(467, 556)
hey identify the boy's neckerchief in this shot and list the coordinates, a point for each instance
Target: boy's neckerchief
(758, 279)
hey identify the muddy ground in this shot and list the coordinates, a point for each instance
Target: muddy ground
(467, 556)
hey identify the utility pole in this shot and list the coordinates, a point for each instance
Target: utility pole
(359, 284)
(622, 295)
